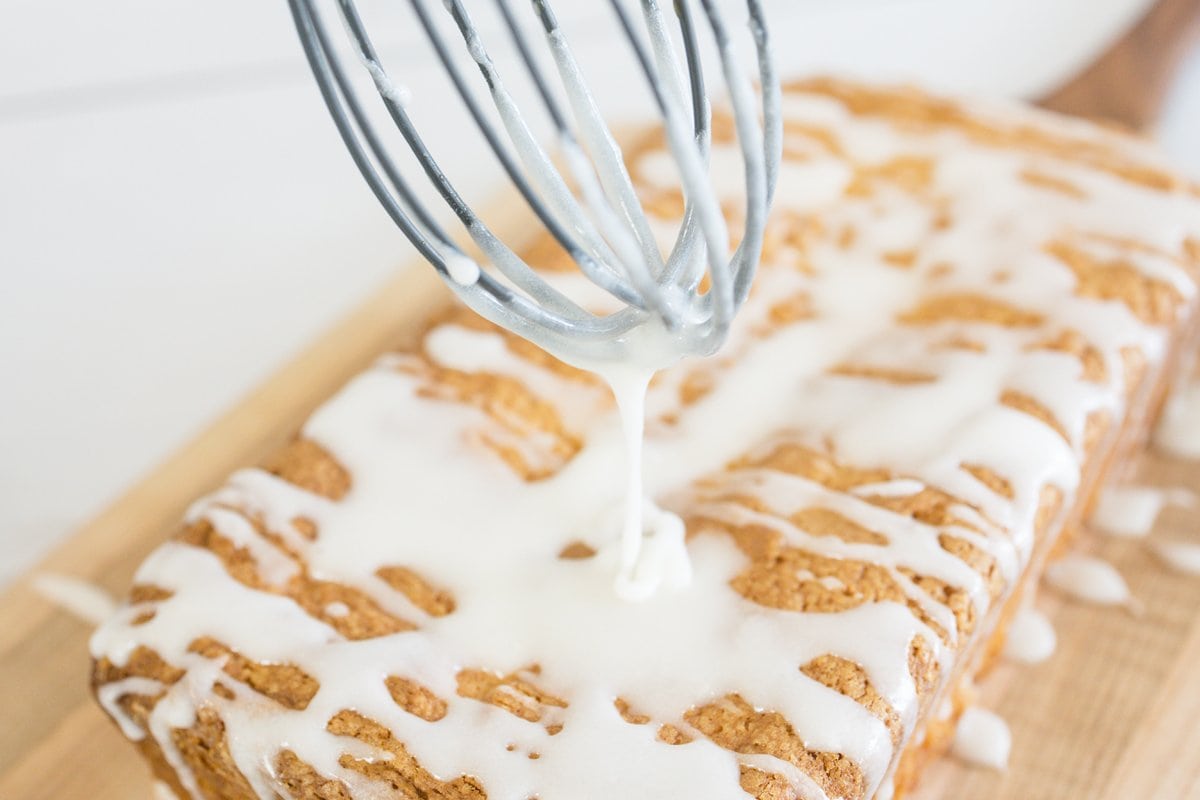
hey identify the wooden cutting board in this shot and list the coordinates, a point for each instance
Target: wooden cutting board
(1115, 714)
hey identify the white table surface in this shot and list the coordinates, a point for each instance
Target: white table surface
(177, 217)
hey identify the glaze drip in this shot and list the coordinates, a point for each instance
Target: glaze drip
(935, 356)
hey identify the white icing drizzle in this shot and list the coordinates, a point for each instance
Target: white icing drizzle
(629, 391)
(1179, 556)
(1090, 579)
(163, 792)
(274, 565)
(83, 599)
(1178, 431)
(661, 558)
(426, 494)
(982, 738)
(463, 270)
(903, 487)
(1030, 638)
(110, 693)
(1131, 511)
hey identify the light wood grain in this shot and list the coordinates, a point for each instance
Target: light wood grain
(1127, 84)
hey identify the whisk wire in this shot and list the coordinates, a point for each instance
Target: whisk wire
(505, 260)
(678, 255)
(759, 175)
(348, 120)
(494, 300)
(594, 257)
(660, 75)
(612, 241)
(692, 170)
(630, 231)
(553, 109)
(684, 251)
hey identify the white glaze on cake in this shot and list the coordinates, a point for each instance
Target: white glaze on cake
(425, 494)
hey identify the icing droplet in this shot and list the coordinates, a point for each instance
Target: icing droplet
(400, 95)
(1089, 579)
(1131, 511)
(982, 738)
(1178, 432)
(1180, 556)
(1031, 638)
(663, 559)
(163, 792)
(337, 609)
(463, 270)
(84, 600)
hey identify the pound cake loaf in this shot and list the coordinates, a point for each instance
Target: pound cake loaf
(963, 314)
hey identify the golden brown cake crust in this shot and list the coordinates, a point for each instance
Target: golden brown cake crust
(818, 551)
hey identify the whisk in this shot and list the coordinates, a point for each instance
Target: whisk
(595, 216)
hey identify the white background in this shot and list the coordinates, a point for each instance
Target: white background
(177, 216)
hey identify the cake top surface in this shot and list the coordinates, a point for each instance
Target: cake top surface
(955, 312)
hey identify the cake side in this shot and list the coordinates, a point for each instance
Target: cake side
(959, 311)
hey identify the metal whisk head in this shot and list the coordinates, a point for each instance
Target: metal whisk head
(595, 216)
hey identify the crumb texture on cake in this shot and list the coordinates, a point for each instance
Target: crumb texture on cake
(960, 309)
